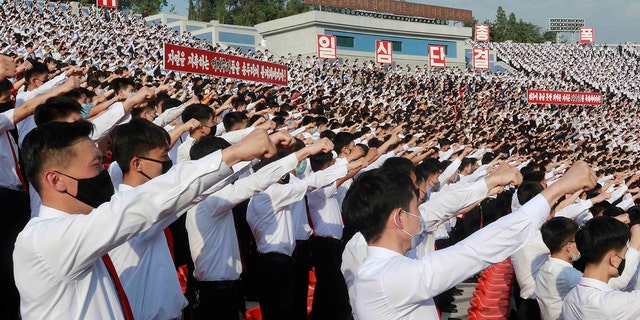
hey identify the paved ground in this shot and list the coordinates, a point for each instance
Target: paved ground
(461, 302)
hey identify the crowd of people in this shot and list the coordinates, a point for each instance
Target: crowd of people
(352, 170)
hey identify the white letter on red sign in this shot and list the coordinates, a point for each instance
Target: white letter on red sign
(481, 58)
(586, 35)
(384, 52)
(327, 47)
(482, 33)
(437, 57)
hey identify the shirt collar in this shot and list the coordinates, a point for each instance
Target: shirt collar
(593, 283)
(560, 261)
(380, 252)
(48, 212)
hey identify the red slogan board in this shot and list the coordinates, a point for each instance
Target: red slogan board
(186, 59)
(561, 97)
(108, 3)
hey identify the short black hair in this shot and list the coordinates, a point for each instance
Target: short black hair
(600, 235)
(400, 164)
(207, 145)
(527, 191)
(200, 112)
(613, 212)
(371, 198)
(557, 232)
(51, 143)
(56, 109)
(37, 69)
(341, 140)
(136, 138)
(118, 84)
(233, 118)
(318, 161)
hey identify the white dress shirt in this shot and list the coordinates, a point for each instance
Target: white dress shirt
(147, 272)
(391, 286)
(595, 300)
(213, 241)
(325, 212)
(57, 257)
(184, 149)
(28, 124)
(8, 170)
(555, 279)
(526, 263)
(269, 214)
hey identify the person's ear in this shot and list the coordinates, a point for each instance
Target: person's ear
(54, 181)
(135, 164)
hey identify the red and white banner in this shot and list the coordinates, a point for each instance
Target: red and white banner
(586, 35)
(327, 48)
(186, 59)
(481, 58)
(384, 52)
(108, 3)
(482, 33)
(561, 97)
(437, 57)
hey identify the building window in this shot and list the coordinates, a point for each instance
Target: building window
(397, 46)
(344, 41)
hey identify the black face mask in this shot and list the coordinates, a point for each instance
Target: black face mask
(166, 165)
(621, 266)
(93, 191)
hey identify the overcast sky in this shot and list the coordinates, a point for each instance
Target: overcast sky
(614, 21)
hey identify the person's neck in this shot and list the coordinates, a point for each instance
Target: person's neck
(62, 202)
(387, 243)
(598, 272)
(133, 179)
(561, 257)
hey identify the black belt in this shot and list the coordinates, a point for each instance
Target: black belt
(217, 285)
(276, 256)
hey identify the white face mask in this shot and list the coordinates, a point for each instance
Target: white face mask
(418, 238)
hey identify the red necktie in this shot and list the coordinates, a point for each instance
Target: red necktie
(124, 302)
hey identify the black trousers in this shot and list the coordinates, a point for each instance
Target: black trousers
(330, 297)
(301, 268)
(215, 300)
(275, 286)
(14, 215)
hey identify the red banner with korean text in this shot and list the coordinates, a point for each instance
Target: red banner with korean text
(437, 56)
(186, 59)
(561, 97)
(481, 59)
(384, 52)
(327, 48)
(586, 35)
(108, 3)
(482, 33)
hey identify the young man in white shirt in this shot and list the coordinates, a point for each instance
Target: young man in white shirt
(390, 285)
(603, 245)
(144, 262)
(202, 113)
(216, 290)
(59, 270)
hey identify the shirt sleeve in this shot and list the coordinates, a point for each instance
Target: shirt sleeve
(573, 211)
(71, 244)
(449, 171)
(169, 115)
(106, 121)
(231, 195)
(440, 270)
(6, 120)
(234, 137)
(444, 205)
